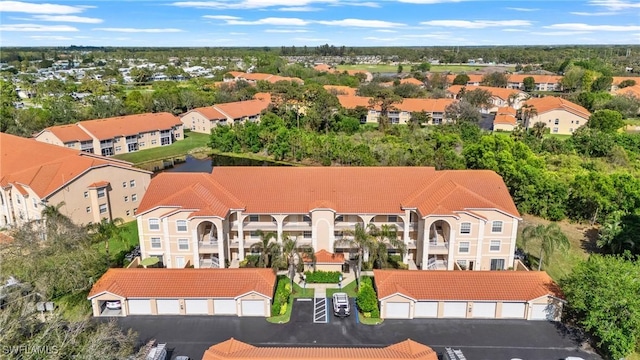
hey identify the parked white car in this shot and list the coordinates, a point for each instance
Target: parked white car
(114, 305)
(341, 306)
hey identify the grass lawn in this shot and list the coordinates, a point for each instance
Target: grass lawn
(350, 289)
(74, 307)
(581, 236)
(191, 141)
(559, 136)
(118, 248)
(368, 321)
(455, 68)
(373, 68)
(298, 293)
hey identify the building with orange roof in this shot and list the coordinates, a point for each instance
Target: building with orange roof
(464, 217)
(116, 135)
(618, 79)
(401, 114)
(204, 119)
(341, 90)
(542, 82)
(474, 79)
(253, 78)
(500, 97)
(87, 187)
(325, 261)
(559, 115)
(410, 294)
(409, 80)
(505, 119)
(629, 91)
(234, 349)
(137, 291)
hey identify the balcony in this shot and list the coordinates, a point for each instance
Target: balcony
(438, 247)
(256, 225)
(235, 242)
(436, 264)
(209, 262)
(346, 224)
(296, 225)
(208, 244)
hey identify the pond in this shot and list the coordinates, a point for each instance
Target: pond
(192, 164)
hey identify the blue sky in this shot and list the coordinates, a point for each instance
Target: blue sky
(315, 22)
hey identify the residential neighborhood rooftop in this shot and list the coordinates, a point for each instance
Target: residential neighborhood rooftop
(549, 103)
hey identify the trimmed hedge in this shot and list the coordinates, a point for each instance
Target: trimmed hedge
(322, 277)
(281, 298)
(367, 299)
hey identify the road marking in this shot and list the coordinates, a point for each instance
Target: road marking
(320, 315)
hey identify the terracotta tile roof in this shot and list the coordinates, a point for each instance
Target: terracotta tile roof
(549, 103)
(5, 239)
(185, 283)
(351, 102)
(347, 190)
(325, 257)
(234, 349)
(241, 109)
(618, 79)
(473, 78)
(129, 125)
(507, 110)
(630, 90)
(209, 112)
(263, 77)
(45, 167)
(323, 68)
(341, 90)
(505, 119)
(501, 93)
(68, 133)
(263, 96)
(465, 285)
(427, 105)
(411, 80)
(538, 79)
(20, 189)
(99, 184)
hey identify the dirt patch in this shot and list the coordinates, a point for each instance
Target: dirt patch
(581, 236)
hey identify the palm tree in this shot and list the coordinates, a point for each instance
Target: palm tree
(53, 218)
(292, 254)
(106, 230)
(267, 248)
(512, 99)
(385, 237)
(551, 238)
(538, 130)
(526, 113)
(359, 240)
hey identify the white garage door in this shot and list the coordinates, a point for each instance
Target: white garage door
(225, 307)
(513, 310)
(543, 312)
(484, 310)
(253, 308)
(196, 307)
(168, 307)
(426, 309)
(397, 310)
(139, 307)
(455, 309)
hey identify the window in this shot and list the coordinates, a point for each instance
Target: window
(128, 212)
(339, 218)
(465, 228)
(132, 183)
(496, 227)
(306, 218)
(570, 129)
(392, 218)
(462, 264)
(577, 122)
(557, 122)
(88, 209)
(555, 130)
(497, 264)
(154, 224)
(141, 144)
(155, 243)
(118, 148)
(181, 225)
(18, 197)
(126, 199)
(494, 245)
(101, 192)
(35, 203)
(463, 247)
(103, 208)
(153, 133)
(124, 184)
(134, 197)
(153, 142)
(135, 210)
(254, 235)
(306, 234)
(253, 218)
(183, 244)
(86, 194)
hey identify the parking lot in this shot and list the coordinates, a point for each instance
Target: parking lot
(479, 339)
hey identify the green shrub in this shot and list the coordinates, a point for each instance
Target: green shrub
(323, 277)
(281, 298)
(366, 281)
(367, 300)
(252, 260)
(275, 308)
(283, 308)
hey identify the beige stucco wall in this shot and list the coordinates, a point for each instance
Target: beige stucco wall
(49, 138)
(568, 123)
(322, 224)
(197, 122)
(396, 299)
(503, 127)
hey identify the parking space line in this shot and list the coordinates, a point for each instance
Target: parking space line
(320, 314)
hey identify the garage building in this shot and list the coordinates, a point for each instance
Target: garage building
(530, 295)
(239, 292)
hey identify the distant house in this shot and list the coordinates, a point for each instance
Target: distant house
(117, 135)
(409, 80)
(474, 79)
(500, 97)
(401, 113)
(253, 78)
(90, 187)
(560, 115)
(505, 119)
(542, 82)
(204, 119)
(341, 90)
(618, 79)
(630, 91)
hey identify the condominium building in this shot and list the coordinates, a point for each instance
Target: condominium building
(87, 187)
(204, 119)
(117, 135)
(559, 115)
(399, 113)
(462, 219)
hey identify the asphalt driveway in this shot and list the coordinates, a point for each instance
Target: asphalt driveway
(479, 339)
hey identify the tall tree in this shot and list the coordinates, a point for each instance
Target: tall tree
(293, 254)
(386, 237)
(551, 238)
(385, 100)
(479, 98)
(267, 247)
(360, 240)
(529, 83)
(608, 121)
(461, 79)
(496, 79)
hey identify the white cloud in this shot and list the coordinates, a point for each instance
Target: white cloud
(304, 39)
(248, 4)
(514, 30)
(476, 24)
(271, 21)
(49, 37)
(134, 30)
(299, 9)
(221, 17)
(559, 33)
(31, 8)
(363, 4)
(68, 18)
(587, 27)
(237, 33)
(36, 27)
(601, 13)
(375, 38)
(429, 1)
(616, 4)
(360, 23)
(522, 9)
(385, 31)
(286, 31)
(426, 36)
